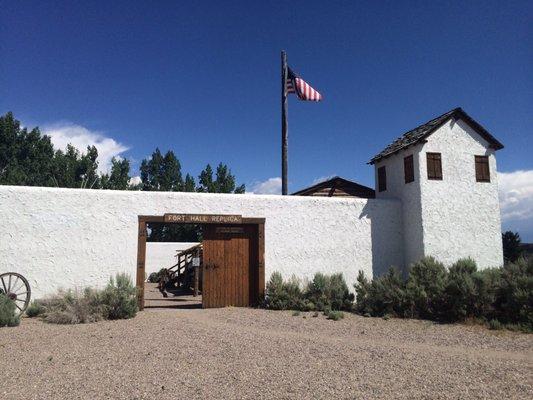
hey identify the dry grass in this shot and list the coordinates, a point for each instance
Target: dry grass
(238, 353)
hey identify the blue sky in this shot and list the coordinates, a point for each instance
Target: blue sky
(202, 79)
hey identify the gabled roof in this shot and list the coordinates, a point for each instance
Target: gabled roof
(420, 133)
(337, 187)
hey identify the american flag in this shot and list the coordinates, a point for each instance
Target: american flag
(303, 90)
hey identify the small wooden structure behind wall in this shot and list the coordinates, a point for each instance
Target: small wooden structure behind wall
(234, 263)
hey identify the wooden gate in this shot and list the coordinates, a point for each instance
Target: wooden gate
(230, 265)
(234, 257)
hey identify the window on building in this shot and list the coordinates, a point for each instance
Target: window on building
(482, 169)
(434, 166)
(382, 179)
(408, 169)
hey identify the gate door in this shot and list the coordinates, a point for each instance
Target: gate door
(230, 273)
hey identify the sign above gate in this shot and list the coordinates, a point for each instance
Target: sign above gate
(203, 218)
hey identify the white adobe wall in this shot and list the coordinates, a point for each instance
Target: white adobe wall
(66, 238)
(162, 254)
(409, 194)
(461, 217)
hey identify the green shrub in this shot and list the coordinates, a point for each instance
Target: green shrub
(283, 295)
(322, 292)
(329, 291)
(335, 315)
(495, 325)
(514, 298)
(119, 298)
(8, 315)
(425, 289)
(384, 295)
(460, 291)
(501, 296)
(73, 307)
(487, 283)
(35, 309)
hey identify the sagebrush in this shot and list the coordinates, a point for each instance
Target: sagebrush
(8, 314)
(323, 292)
(117, 301)
(503, 296)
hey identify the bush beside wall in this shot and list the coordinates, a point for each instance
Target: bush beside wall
(117, 301)
(8, 316)
(323, 293)
(501, 295)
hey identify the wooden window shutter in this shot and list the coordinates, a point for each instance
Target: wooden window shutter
(382, 179)
(408, 169)
(434, 166)
(482, 169)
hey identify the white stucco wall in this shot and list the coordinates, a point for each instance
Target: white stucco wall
(162, 255)
(66, 238)
(409, 194)
(461, 217)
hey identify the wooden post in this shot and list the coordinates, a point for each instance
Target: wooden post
(196, 274)
(141, 257)
(284, 133)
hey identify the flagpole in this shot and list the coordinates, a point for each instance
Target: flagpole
(284, 133)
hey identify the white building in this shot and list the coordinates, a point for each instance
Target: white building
(436, 194)
(444, 173)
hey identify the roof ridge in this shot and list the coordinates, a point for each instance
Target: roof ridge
(422, 131)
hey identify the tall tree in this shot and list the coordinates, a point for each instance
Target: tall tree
(512, 249)
(224, 182)
(25, 157)
(189, 185)
(72, 169)
(119, 177)
(161, 173)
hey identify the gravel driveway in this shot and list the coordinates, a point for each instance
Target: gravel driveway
(237, 353)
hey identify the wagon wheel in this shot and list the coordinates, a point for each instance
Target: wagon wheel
(17, 288)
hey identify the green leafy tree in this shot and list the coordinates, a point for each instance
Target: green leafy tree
(72, 169)
(119, 177)
(25, 157)
(511, 246)
(224, 182)
(161, 173)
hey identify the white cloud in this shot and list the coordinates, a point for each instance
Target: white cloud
(80, 137)
(270, 186)
(135, 180)
(516, 195)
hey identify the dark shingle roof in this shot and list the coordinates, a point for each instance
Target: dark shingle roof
(347, 188)
(421, 132)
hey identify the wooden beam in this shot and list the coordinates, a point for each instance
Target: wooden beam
(141, 260)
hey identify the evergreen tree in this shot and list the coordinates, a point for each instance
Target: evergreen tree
(189, 185)
(512, 249)
(161, 173)
(119, 177)
(171, 179)
(205, 180)
(224, 182)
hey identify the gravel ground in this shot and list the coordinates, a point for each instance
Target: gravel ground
(239, 353)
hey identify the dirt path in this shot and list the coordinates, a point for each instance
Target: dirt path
(244, 353)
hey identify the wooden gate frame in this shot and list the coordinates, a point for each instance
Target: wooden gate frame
(141, 245)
